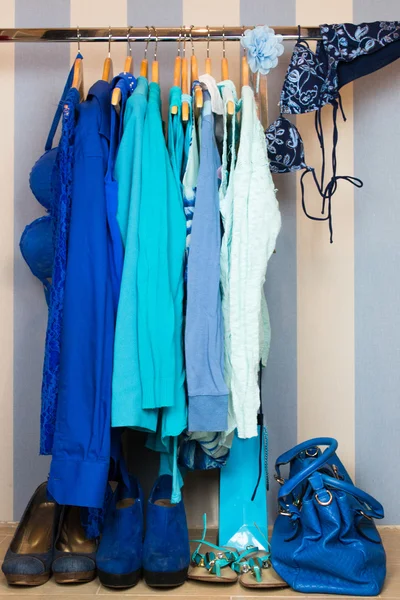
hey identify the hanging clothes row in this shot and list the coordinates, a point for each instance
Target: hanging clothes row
(157, 314)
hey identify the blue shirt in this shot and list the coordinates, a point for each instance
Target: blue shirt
(81, 450)
(161, 234)
(126, 83)
(204, 337)
(126, 389)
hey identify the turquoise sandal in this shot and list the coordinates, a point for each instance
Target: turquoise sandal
(212, 566)
(255, 570)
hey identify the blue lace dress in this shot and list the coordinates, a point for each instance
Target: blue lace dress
(61, 219)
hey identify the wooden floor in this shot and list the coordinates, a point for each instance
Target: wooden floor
(191, 590)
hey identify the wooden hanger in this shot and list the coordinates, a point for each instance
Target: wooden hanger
(128, 68)
(245, 70)
(128, 65)
(144, 66)
(225, 71)
(198, 92)
(177, 73)
(185, 84)
(245, 67)
(108, 65)
(154, 65)
(77, 80)
(208, 59)
(77, 77)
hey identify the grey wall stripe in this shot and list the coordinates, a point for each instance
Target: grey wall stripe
(377, 274)
(143, 462)
(142, 13)
(40, 73)
(280, 378)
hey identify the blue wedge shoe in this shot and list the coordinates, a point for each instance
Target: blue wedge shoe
(166, 551)
(74, 558)
(119, 557)
(30, 554)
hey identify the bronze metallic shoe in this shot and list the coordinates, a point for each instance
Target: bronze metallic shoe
(74, 559)
(30, 554)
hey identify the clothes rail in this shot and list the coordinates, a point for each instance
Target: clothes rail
(142, 34)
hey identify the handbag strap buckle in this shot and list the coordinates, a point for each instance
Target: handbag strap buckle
(324, 502)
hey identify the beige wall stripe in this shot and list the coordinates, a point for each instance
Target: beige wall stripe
(325, 276)
(88, 13)
(6, 267)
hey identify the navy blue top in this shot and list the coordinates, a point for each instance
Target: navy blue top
(81, 450)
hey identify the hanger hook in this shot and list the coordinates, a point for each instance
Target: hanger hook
(147, 42)
(179, 42)
(244, 48)
(184, 44)
(223, 41)
(78, 35)
(109, 41)
(156, 42)
(128, 40)
(191, 39)
(208, 41)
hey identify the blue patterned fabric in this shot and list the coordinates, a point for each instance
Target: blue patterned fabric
(61, 215)
(285, 147)
(203, 453)
(313, 79)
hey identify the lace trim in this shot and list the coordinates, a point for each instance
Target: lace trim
(61, 213)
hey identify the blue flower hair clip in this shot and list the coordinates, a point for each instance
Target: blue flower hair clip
(263, 48)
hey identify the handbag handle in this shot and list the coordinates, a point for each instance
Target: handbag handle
(288, 456)
(374, 509)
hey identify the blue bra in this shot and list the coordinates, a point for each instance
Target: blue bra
(313, 79)
(36, 242)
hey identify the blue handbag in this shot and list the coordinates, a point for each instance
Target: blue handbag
(325, 540)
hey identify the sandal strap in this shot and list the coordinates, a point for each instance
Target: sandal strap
(239, 562)
(253, 564)
(212, 561)
(257, 564)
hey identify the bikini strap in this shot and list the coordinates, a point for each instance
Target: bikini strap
(299, 39)
(327, 191)
(58, 113)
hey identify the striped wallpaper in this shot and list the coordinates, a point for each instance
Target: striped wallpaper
(335, 354)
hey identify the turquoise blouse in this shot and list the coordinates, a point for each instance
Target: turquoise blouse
(161, 236)
(127, 390)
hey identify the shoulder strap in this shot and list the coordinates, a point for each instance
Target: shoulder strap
(58, 113)
(373, 508)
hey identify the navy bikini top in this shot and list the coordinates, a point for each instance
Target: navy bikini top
(313, 79)
(36, 242)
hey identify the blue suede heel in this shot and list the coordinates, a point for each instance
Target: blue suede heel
(166, 551)
(30, 554)
(119, 557)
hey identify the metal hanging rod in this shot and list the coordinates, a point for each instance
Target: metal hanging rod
(141, 34)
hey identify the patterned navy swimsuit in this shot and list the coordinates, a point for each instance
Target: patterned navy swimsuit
(345, 53)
